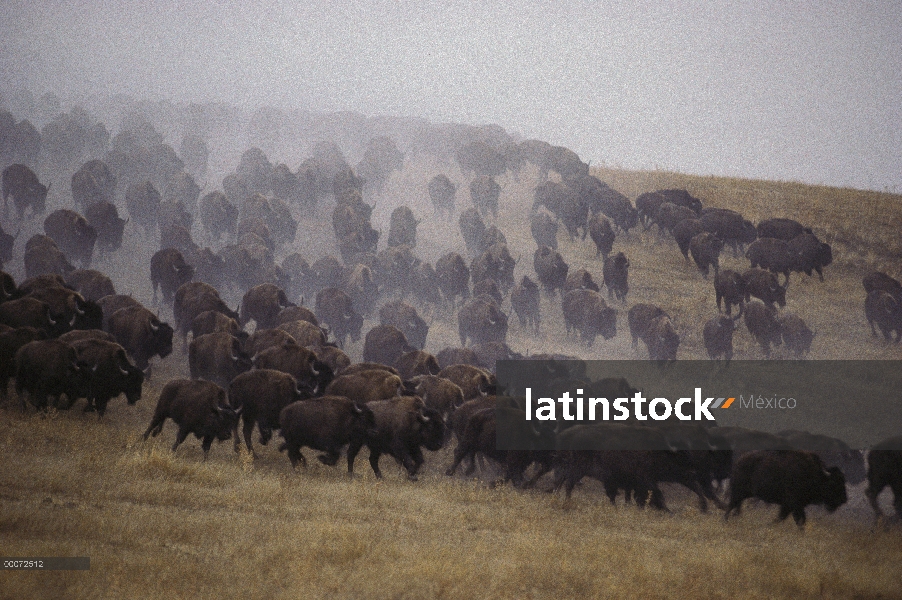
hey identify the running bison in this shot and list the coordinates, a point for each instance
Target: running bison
(586, 312)
(22, 184)
(791, 478)
(885, 469)
(198, 407)
(326, 424)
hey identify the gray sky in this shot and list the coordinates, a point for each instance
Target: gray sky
(805, 91)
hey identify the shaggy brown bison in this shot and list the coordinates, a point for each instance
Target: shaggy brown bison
(791, 478)
(198, 407)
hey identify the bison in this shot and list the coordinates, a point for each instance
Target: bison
(797, 337)
(810, 254)
(781, 229)
(730, 227)
(442, 192)
(48, 368)
(484, 192)
(705, 249)
(198, 407)
(880, 281)
(764, 285)
(731, 288)
(22, 184)
(336, 309)
(261, 395)
(72, 234)
(43, 256)
(884, 309)
(791, 478)
(403, 426)
(472, 228)
(762, 323)
(661, 339)
(525, 302)
(639, 317)
(586, 312)
(93, 182)
(217, 357)
(453, 277)
(402, 227)
(326, 424)
(771, 254)
(385, 344)
(109, 373)
(299, 362)
(405, 318)
(544, 229)
(885, 469)
(92, 285)
(416, 363)
(169, 271)
(218, 216)
(602, 235)
(615, 272)
(684, 231)
(718, 336)
(141, 333)
(550, 268)
(481, 320)
(105, 220)
(263, 303)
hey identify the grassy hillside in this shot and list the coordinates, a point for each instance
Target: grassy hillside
(162, 525)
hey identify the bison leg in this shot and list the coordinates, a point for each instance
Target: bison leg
(799, 515)
(155, 427)
(330, 457)
(295, 456)
(785, 511)
(207, 442)
(101, 404)
(247, 429)
(181, 435)
(353, 448)
(459, 454)
(374, 462)
(872, 493)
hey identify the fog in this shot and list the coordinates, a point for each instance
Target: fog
(785, 91)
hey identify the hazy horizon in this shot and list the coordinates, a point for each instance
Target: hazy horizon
(804, 93)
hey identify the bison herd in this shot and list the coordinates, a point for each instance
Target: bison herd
(269, 362)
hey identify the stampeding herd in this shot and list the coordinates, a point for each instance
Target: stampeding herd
(66, 335)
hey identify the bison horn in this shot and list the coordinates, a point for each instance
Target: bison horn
(72, 322)
(357, 409)
(313, 370)
(154, 327)
(123, 371)
(50, 319)
(423, 418)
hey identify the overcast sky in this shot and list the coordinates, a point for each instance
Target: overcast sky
(804, 91)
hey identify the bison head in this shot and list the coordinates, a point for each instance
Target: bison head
(432, 429)
(134, 380)
(161, 337)
(833, 489)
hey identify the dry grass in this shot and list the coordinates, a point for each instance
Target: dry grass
(162, 525)
(157, 524)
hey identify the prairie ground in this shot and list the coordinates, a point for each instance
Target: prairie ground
(158, 524)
